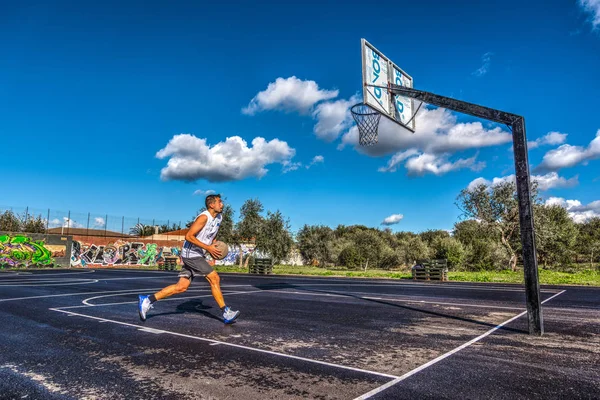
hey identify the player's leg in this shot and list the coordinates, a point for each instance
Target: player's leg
(215, 285)
(145, 302)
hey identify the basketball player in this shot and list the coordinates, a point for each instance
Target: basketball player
(198, 242)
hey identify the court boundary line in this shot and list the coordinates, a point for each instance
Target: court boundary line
(220, 342)
(445, 355)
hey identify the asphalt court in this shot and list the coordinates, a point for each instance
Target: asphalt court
(297, 337)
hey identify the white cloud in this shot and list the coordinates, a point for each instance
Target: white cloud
(545, 182)
(191, 158)
(578, 212)
(333, 117)
(316, 160)
(486, 59)
(201, 192)
(99, 222)
(65, 223)
(439, 165)
(437, 132)
(291, 94)
(290, 166)
(392, 219)
(552, 180)
(592, 7)
(551, 138)
(397, 159)
(568, 156)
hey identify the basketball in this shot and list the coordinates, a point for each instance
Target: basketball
(223, 248)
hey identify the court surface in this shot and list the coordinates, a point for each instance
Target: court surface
(76, 334)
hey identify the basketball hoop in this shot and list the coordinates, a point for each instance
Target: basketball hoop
(367, 121)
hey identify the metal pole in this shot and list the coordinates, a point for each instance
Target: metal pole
(68, 221)
(26, 213)
(48, 221)
(517, 124)
(530, 266)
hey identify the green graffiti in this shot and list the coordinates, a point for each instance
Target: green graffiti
(22, 250)
(149, 256)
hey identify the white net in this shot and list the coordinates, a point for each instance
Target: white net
(367, 121)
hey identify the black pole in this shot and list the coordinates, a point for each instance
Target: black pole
(517, 125)
(530, 266)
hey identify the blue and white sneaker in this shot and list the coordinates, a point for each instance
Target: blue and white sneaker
(143, 306)
(229, 315)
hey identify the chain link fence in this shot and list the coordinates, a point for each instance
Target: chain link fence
(67, 222)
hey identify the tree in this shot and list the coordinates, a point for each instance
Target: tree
(274, 237)
(431, 235)
(450, 249)
(10, 222)
(413, 248)
(497, 209)
(33, 224)
(250, 223)
(166, 228)
(556, 234)
(589, 238)
(142, 230)
(227, 232)
(369, 247)
(315, 243)
(469, 231)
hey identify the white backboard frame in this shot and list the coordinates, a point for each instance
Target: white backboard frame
(379, 70)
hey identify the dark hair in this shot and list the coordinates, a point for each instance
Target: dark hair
(211, 198)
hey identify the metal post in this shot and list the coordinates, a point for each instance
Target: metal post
(87, 228)
(517, 124)
(48, 221)
(530, 266)
(26, 213)
(68, 221)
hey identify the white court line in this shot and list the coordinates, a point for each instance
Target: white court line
(58, 273)
(443, 356)
(51, 280)
(168, 299)
(89, 281)
(77, 294)
(86, 301)
(233, 345)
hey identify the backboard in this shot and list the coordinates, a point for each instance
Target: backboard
(378, 71)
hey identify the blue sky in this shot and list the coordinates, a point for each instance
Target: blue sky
(129, 108)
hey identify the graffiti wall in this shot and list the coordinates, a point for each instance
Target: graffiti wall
(26, 250)
(98, 252)
(234, 251)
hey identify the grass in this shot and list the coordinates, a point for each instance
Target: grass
(547, 277)
(586, 277)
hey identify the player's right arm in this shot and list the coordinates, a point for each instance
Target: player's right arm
(196, 227)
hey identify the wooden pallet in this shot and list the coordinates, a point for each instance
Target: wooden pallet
(432, 270)
(261, 266)
(170, 263)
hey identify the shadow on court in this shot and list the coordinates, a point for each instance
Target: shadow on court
(282, 286)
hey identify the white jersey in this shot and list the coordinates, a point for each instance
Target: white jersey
(206, 236)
